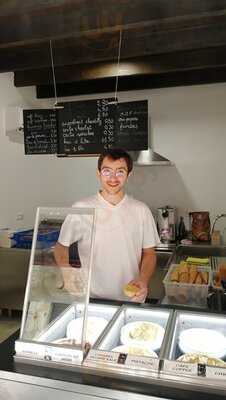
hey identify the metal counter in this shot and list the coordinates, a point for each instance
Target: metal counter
(23, 387)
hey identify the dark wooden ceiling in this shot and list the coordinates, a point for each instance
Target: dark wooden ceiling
(164, 43)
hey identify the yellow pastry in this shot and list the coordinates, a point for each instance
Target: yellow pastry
(130, 290)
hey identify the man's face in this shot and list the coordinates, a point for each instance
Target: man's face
(113, 175)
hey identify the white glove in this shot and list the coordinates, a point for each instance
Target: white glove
(73, 280)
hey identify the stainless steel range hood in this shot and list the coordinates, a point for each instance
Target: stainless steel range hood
(148, 157)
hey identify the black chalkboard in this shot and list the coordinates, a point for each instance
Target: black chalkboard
(86, 127)
(89, 127)
(40, 131)
(132, 125)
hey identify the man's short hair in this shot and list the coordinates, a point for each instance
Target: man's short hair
(116, 154)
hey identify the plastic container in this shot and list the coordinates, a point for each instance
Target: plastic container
(186, 293)
(46, 238)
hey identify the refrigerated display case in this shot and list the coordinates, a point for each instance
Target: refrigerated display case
(168, 374)
(152, 349)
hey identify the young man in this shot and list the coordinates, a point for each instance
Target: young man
(125, 235)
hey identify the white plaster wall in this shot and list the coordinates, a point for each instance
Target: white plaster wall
(188, 126)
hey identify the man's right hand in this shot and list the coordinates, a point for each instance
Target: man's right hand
(142, 291)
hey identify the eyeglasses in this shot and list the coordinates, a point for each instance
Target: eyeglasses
(119, 173)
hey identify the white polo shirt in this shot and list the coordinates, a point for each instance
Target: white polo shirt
(122, 231)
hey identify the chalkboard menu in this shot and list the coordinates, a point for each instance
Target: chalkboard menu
(40, 131)
(86, 127)
(89, 127)
(132, 125)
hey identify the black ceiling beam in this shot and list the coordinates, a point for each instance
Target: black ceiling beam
(134, 44)
(33, 22)
(150, 65)
(171, 79)
(158, 8)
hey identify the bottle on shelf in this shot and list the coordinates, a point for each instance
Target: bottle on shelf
(181, 232)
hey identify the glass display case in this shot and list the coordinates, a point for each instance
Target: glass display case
(62, 329)
(58, 323)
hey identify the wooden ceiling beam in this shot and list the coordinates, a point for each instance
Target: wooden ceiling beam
(157, 8)
(159, 37)
(149, 65)
(140, 43)
(170, 79)
(30, 24)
